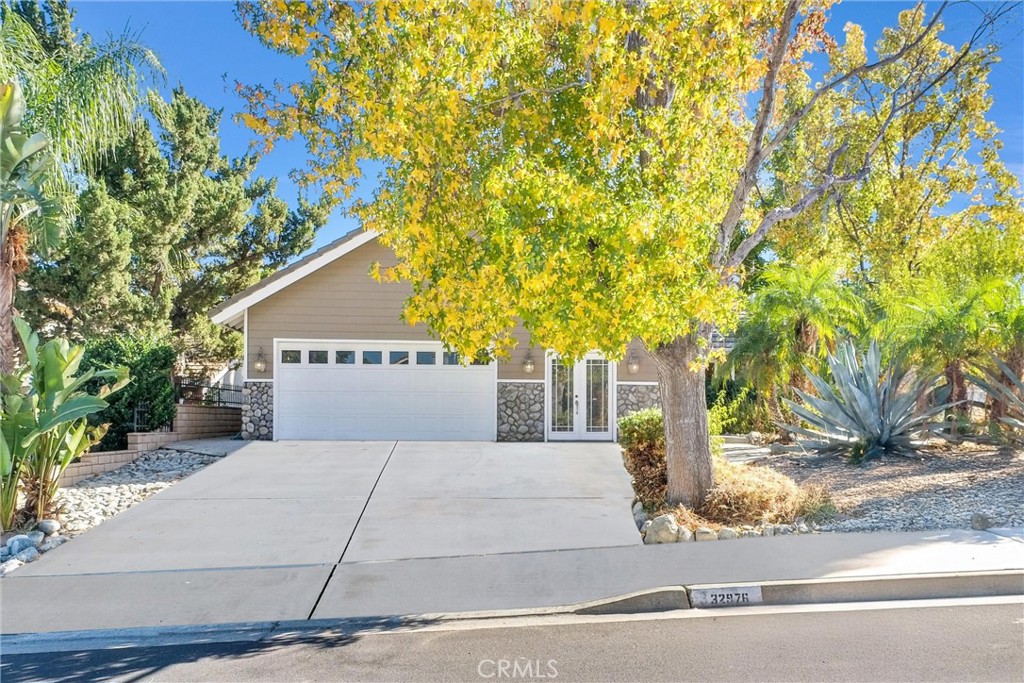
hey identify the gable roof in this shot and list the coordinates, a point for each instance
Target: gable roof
(231, 311)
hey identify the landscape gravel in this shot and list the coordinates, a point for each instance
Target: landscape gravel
(90, 501)
(948, 487)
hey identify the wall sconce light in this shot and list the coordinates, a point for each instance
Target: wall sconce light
(528, 366)
(633, 364)
(260, 364)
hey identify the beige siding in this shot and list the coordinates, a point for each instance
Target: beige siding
(513, 367)
(647, 371)
(342, 301)
(339, 301)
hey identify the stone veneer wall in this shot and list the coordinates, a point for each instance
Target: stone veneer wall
(520, 411)
(258, 411)
(633, 397)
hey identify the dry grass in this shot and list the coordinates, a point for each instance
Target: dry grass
(748, 495)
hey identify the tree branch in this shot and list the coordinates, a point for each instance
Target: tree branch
(758, 150)
(741, 193)
(830, 180)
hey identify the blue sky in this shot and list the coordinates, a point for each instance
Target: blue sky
(204, 48)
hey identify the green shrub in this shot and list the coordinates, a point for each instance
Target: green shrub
(151, 364)
(642, 437)
(43, 416)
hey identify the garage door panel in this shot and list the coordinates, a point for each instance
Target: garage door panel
(369, 402)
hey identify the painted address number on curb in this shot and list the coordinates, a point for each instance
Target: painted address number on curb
(726, 596)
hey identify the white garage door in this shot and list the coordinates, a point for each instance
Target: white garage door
(380, 391)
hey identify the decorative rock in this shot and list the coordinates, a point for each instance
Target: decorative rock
(704, 534)
(15, 544)
(802, 528)
(663, 529)
(52, 543)
(685, 534)
(783, 530)
(49, 526)
(639, 515)
(727, 534)
(520, 411)
(776, 449)
(630, 398)
(755, 438)
(749, 533)
(768, 530)
(9, 566)
(980, 521)
(258, 410)
(27, 555)
(4, 553)
(36, 537)
(644, 528)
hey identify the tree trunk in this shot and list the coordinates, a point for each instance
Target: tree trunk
(960, 411)
(7, 286)
(684, 405)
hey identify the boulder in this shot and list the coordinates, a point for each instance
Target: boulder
(705, 534)
(685, 534)
(15, 544)
(27, 555)
(49, 526)
(980, 521)
(663, 529)
(36, 537)
(727, 534)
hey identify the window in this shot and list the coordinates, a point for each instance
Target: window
(318, 357)
(398, 358)
(426, 358)
(450, 358)
(345, 357)
(372, 357)
(291, 356)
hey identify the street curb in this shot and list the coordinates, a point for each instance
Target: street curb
(664, 599)
(881, 588)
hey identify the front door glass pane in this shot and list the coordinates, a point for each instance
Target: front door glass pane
(562, 399)
(597, 395)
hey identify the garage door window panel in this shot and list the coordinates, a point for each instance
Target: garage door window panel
(372, 357)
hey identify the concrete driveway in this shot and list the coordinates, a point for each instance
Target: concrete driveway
(293, 530)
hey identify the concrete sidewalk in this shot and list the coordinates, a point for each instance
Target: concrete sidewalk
(484, 582)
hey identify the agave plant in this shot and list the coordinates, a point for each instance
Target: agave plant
(868, 410)
(1003, 385)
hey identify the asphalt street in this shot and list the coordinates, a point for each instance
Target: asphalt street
(978, 639)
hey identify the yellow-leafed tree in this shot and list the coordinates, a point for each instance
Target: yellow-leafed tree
(591, 169)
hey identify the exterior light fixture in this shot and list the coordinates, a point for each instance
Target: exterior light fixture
(528, 366)
(633, 364)
(260, 364)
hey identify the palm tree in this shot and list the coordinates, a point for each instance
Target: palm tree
(797, 315)
(948, 326)
(84, 96)
(83, 99)
(26, 165)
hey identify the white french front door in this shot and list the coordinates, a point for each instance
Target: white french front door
(580, 399)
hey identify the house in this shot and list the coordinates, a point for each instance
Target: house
(327, 357)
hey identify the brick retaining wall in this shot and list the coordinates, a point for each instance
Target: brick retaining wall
(191, 422)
